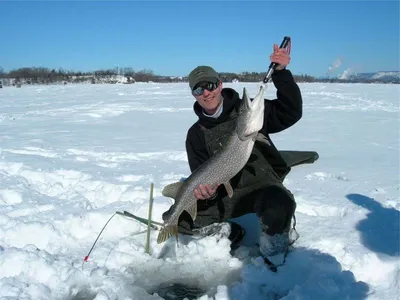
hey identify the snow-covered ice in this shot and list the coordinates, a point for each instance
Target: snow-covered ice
(71, 156)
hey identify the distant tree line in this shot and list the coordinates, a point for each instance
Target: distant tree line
(42, 75)
(256, 76)
(360, 80)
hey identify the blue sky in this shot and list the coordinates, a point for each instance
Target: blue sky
(173, 37)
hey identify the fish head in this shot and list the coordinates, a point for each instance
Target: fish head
(251, 115)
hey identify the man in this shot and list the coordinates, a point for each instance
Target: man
(258, 187)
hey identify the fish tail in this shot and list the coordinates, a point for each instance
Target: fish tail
(166, 232)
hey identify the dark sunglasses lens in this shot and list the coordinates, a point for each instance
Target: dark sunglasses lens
(198, 91)
(210, 86)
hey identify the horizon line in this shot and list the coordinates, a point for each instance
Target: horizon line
(148, 69)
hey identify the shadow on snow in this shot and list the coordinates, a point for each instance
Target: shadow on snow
(380, 230)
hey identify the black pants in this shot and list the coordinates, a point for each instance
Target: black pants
(274, 205)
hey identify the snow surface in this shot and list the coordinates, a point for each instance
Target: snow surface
(73, 155)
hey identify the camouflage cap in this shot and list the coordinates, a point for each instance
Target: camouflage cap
(202, 73)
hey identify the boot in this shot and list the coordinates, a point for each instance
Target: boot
(275, 211)
(273, 244)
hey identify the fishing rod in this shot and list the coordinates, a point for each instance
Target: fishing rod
(272, 65)
(150, 223)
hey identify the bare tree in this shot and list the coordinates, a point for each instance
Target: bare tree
(145, 75)
(128, 71)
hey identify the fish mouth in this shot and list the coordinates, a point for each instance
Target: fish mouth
(253, 117)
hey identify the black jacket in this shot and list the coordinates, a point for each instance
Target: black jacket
(280, 114)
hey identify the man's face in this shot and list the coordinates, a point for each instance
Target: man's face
(208, 95)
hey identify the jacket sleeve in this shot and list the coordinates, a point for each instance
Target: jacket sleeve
(287, 109)
(195, 149)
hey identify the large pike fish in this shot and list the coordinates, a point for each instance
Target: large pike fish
(219, 168)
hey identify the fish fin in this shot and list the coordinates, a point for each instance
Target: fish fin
(166, 232)
(229, 189)
(172, 189)
(246, 98)
(263, 139)
(193, 211)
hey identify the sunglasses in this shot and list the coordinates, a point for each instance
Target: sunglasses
(209, 86)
